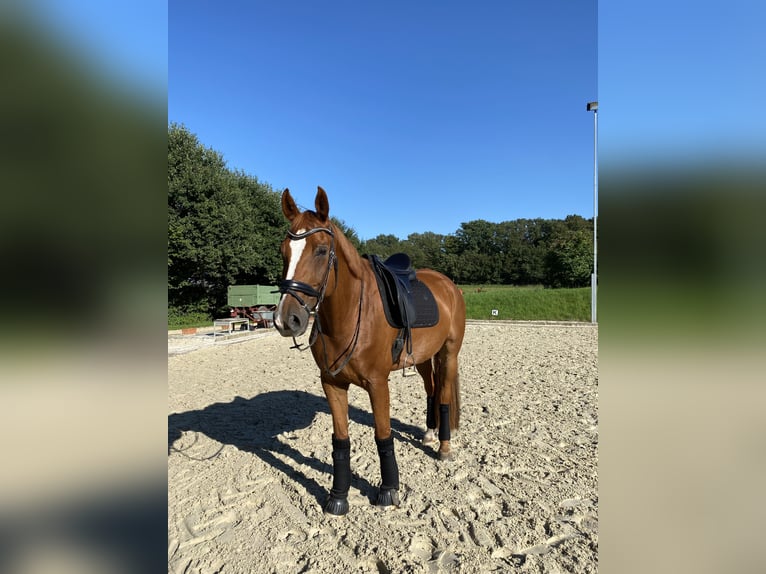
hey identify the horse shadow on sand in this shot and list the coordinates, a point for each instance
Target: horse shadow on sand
(255, 425)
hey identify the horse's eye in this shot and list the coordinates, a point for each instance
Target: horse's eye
(321, 251)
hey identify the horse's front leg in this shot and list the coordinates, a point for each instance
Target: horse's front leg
(389, 471)
(337, 398)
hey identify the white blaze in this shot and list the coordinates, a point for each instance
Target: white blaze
(296, 251)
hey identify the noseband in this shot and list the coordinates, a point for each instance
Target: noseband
(291, 287)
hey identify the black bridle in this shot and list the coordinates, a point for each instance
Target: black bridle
(293, 288)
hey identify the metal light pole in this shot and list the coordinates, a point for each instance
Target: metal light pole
(593, 107)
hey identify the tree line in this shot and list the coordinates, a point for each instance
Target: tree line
(225, 228)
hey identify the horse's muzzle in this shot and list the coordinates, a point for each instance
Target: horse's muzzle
(291, 320)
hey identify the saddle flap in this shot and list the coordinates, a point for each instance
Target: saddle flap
(394, 276)
(407, 302)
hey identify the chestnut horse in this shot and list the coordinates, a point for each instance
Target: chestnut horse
(351, 341)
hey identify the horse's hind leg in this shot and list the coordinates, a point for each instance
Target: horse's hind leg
(449, 399)
(426, 370)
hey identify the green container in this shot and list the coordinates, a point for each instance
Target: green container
(251, 295)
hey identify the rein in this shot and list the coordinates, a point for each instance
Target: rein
(293, 288)
(348, 351)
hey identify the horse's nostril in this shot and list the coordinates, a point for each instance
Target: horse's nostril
(294, 322)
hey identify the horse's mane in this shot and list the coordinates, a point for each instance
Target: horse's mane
(350, 254)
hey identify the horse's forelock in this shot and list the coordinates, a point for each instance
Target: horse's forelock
(305, 220)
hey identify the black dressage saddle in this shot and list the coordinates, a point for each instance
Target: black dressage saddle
(407, 302)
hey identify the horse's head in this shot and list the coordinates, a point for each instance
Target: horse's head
(308, 255)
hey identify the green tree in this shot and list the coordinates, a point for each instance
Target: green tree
(383, 246)
(224, 227)
(195, 176)
(479, 236)
(570, 259)
(426, 250)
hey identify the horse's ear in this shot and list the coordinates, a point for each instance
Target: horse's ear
(289, 208)
(321, 204)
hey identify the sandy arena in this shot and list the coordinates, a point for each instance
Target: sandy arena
(249, 461)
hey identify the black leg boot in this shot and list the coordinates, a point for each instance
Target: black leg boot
(445, 452)
(430, 435)
(430, 413)
(389, 473)
(444, 430)
(337, 504)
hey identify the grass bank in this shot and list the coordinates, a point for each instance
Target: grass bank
(177, 320)
(511, 303)
(526, 303)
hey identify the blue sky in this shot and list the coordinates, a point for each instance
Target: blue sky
(125, 42)
(681, 83)
(477, 111)
(414, 116)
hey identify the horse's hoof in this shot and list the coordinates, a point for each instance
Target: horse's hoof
(430, 438)
(449, 456)
(336, 506)
(387, 498)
